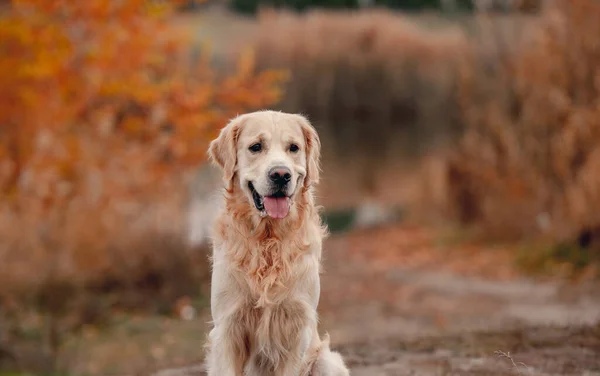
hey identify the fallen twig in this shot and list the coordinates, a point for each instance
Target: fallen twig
(515, 365)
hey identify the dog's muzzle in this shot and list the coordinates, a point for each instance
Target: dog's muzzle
(276, 205)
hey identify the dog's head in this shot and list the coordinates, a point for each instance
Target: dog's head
(272, 156)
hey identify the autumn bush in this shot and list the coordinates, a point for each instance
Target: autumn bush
(529, 161)
(103, 114)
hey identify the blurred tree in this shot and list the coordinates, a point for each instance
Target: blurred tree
(101, 106)
(87, 85)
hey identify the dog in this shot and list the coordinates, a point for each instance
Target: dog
(266, 259)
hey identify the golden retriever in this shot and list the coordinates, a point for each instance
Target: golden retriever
(267, 252)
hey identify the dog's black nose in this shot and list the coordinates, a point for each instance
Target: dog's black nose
(280, 175)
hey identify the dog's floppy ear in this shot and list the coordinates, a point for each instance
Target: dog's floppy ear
(223, 151)
(313, 152)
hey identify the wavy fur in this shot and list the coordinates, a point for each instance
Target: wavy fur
(265, 287)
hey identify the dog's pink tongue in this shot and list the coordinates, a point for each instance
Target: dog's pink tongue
(277, 207)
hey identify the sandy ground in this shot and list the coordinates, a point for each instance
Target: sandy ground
(433, 310)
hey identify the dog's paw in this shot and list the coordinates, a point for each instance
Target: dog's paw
(329, 363)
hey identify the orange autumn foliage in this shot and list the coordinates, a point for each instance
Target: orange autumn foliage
(102, 111)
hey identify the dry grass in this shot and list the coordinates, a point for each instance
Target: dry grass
(375, 83)
(521, 91)
(516, 366)
(81, 264)
(528, 161)
(382, 88)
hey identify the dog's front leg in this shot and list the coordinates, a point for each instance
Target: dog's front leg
(295, 362)
(227, 352)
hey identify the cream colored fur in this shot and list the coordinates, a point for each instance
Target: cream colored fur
(265, 277)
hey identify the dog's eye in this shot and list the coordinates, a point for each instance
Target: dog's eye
(255, 148)
(294, 148)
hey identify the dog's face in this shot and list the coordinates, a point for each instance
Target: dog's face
(271, 155)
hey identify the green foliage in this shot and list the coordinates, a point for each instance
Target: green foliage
(567, 258)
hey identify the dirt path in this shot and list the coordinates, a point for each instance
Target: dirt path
(396, 301)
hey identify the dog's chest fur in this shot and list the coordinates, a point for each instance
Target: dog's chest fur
(270, 269)
(269, 256)
(267, 264)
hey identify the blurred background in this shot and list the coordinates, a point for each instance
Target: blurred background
(461, 183)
